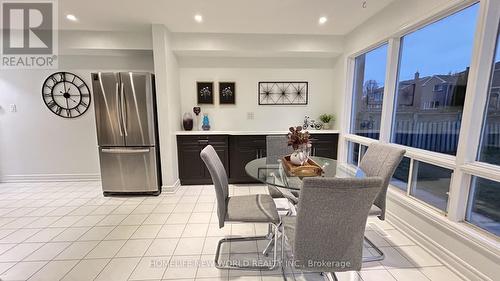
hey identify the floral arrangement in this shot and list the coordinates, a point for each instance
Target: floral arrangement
(298, 137)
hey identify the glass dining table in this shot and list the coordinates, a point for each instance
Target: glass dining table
(271, 172)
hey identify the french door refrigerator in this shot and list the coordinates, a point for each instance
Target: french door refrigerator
(127, 132)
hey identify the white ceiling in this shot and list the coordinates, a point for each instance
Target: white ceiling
(220, 16)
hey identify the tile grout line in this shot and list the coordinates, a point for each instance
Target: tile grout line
(204, 238)
(185, 224)
(64, 250)
(149, 246)
(111, 259)
(77, 240)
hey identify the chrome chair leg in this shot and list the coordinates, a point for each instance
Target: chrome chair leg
(270, 233)
(275, 261)
(270, 245)
(331, 276)
(380, 255)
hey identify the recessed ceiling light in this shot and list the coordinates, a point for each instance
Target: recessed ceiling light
(198, 18)
(322, 20)
(71, 17)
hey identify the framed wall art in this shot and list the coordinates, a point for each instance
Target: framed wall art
(283, 93)
(227, 92)
(205, 92)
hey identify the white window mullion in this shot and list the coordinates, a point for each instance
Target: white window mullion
(410, 184)
(391, 77)
(478, 81)
(475, 104)
(346, 116)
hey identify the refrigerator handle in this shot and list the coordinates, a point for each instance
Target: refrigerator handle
(124, 114)
(126, 151)
(117, 112)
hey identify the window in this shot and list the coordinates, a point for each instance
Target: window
(484, 196)
(432, 76)
(432, 79)
(355, 150)
(489, 150)
(484, 204)
(431, 184)
(440, 87)
(401, 175)
(368, 93)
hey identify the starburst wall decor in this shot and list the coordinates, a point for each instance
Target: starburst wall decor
(283, 93)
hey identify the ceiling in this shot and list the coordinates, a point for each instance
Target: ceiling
(221, 16)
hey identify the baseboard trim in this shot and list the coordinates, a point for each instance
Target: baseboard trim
(455, 263)
(171, 188)
(49, 178)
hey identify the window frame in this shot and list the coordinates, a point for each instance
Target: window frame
(353, 78)
(464, 164)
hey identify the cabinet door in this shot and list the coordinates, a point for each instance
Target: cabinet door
(324, 151)
(324, 145)
(244, 149)
(191, 167)
(238, 161)
(223, 153)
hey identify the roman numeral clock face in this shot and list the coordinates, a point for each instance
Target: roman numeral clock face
(66, 94)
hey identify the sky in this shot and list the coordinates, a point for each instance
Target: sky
(439, 48)
(375, 64)
(497, 57)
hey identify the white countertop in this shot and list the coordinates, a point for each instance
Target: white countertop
(239, 133)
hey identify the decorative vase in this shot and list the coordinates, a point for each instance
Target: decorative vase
(197, 111)
(299, 156)
(187, 121)
(206, 123)
(326, 126)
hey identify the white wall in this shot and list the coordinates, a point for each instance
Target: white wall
(322, 97)
(257, 45)
(167, 94)
(34, 142)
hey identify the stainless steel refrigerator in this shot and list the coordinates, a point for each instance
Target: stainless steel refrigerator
(127, 132)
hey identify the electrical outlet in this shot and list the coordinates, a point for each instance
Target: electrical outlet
(12, 107)
(250, 115)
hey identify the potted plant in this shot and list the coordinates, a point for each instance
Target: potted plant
(326, 119)
(299, 140)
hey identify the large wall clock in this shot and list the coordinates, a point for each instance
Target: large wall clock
(66, 94)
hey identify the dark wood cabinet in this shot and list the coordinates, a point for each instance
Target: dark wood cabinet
(235, 152)
(243, 149)
(192, 170)
(324, 145)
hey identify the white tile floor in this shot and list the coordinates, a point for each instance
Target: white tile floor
(69, 231)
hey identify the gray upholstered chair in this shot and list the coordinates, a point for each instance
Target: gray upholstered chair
(257, 208)
(327, 233)
(380, 160)
(276, 148)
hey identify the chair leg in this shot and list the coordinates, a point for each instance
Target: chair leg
(269, 246)
(275, 261)
(270, 233)
(380, 255)
(284, 262)
(271, 243)
(331, 276)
